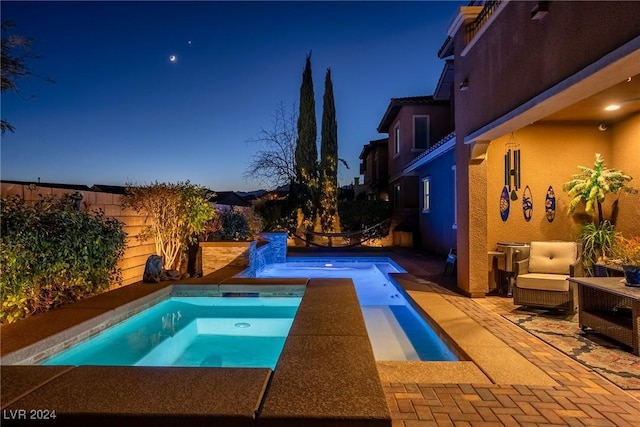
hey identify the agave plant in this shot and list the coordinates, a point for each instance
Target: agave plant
(593, 185)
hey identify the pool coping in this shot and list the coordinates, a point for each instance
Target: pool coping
(500, 363)
(478, 348)
(326, 374)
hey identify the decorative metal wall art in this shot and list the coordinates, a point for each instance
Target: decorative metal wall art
(504, 204)
(512, 170)
(527, 204)
(550, 204)
(511, 177)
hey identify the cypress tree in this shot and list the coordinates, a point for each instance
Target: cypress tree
(329, 161)
(306, 151)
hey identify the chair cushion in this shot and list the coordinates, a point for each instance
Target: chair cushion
(552, 257)
(543, 282)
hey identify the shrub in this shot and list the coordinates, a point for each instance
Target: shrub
(358, 215)
(53, 253)
(256, 223)
(230, 224)
(627, 251)
(176, 214)
(277, 215)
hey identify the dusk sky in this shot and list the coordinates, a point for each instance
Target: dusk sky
(121, 111)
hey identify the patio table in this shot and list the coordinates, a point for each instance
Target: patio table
(611, 308)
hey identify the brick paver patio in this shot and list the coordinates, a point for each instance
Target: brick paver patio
(583, 398)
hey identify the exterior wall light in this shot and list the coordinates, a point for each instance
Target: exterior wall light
(464, 85)
(540, 10)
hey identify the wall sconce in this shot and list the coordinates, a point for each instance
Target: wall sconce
(540, 10)
(464, 85)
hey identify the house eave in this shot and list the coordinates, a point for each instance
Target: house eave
(448, 143)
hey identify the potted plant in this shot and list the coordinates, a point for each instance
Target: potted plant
(627, 253)
(592, 186)
(597, 242)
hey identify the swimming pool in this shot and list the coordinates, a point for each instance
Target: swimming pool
(192, 331)
(396, 330)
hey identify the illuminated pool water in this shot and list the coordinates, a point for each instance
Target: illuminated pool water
(192, 331)
(396, 330)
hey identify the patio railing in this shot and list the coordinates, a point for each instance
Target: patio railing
(473, 27)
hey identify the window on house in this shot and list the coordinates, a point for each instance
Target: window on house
(396, 139)
(421, 132)
(426, 194)
(396, 196)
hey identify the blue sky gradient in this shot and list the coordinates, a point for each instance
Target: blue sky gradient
(120, 111)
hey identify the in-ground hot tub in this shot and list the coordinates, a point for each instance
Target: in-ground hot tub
(326, 358)
(192, 331)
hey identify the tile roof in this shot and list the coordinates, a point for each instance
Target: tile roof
(426, 156)
(372, 144)
(395, 104)
(229, 198)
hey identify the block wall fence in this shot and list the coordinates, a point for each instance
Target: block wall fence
(136, 252)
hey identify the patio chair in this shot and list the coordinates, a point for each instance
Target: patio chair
(541, 279)
(452, 259)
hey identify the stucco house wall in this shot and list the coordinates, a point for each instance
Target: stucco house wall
(550, 155)
(516, 58)
(439, 127)
(625, 144)
(511, 62)
(437, 227)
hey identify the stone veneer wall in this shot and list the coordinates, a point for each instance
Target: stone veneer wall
(277, 245)
(217, 255)
(253, 256)
(136, 252)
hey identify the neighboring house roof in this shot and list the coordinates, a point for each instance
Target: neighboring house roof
(280, 192)
(445, 144)
(111, 189)
(228, 198)
(397, 103)
(371, 145)
(76, 187)
(447, 48)
(444, 89)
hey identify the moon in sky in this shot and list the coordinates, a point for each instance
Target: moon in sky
(172, 58)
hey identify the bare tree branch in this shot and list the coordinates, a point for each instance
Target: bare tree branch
(15, 52)
(274, 162)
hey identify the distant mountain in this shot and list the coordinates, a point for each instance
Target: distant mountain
(250, 194)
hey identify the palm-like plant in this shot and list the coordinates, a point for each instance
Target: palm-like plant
(593, 185)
